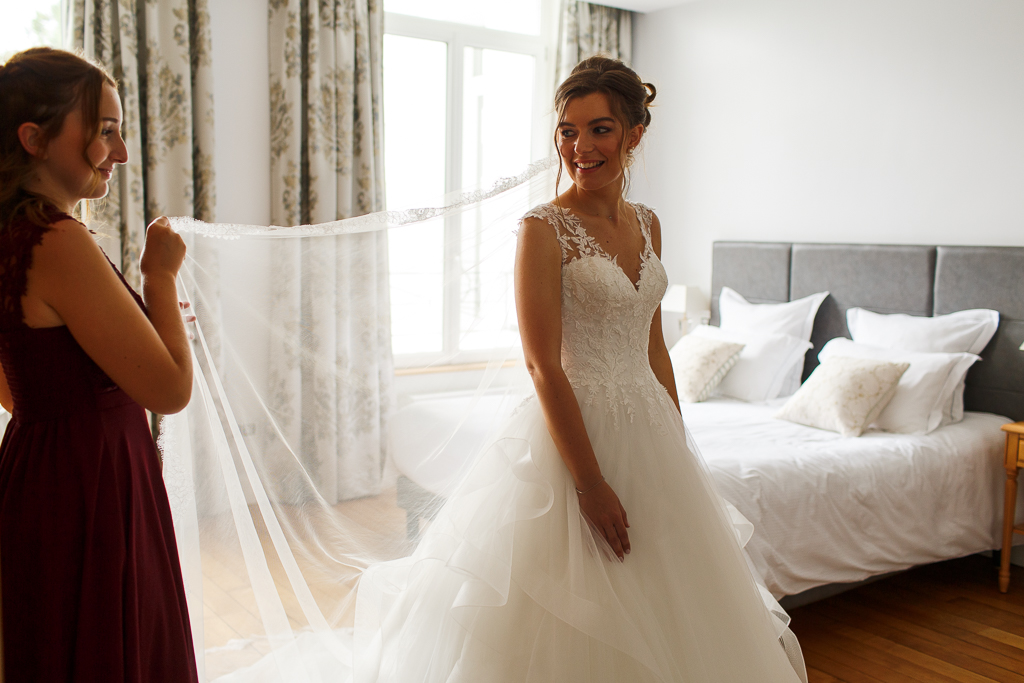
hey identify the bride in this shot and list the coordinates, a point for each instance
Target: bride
(588, 544)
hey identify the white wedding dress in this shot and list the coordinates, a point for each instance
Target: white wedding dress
(509, 583)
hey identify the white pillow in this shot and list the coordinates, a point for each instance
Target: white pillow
(794, 317)
(844, 394)
(960, 332)
(923, 391)
(762, 365)
(700, 364)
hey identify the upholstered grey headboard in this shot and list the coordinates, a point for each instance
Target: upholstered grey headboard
(919, 280)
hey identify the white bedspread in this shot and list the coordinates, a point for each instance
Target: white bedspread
(829, 509)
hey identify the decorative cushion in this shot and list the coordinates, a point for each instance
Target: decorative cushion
(960, 332)
(924, 390)
(762, 365)
(699, 364)
(844, 395)
(795, 318)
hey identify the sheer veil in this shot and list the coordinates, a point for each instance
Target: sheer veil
(272, 541)
(271, 547)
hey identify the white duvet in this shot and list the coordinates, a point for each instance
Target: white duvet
(830, 509)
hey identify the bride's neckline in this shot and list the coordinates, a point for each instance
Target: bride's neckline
(582, 236)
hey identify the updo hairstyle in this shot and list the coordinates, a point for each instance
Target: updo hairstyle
(42, 85)
(630, 98)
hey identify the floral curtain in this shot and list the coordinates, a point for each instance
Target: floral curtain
(159, 51)
(586, 29)
(331, 370)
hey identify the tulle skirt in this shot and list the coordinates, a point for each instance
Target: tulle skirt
(510, 583)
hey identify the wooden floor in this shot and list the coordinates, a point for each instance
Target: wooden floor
(232, 621)
(941, 622)
(938, 623)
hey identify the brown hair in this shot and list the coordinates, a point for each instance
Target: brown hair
(42, 86)
(630, 98)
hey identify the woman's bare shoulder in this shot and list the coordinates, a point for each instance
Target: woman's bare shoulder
(69, 238)
(66, 233)
(537, 233)
(538, 244)
(69, 255)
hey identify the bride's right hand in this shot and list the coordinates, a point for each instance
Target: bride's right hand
(602, 509)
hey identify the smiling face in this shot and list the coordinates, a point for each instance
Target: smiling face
(593, 142)
(66, 175)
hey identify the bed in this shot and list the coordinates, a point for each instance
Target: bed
(826, 510)
(829, 509)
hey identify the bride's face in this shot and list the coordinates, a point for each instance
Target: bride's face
(590, 142)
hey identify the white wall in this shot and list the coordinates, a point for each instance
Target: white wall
(241, 104)
(885, 121)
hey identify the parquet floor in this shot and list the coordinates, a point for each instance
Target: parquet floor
(940, 623)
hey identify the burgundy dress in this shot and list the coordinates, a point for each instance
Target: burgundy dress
(92, 587)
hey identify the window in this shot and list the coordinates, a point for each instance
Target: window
(516, 16)
(464, 105)
(29, 23)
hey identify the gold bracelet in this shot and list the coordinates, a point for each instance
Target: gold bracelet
(578, 492)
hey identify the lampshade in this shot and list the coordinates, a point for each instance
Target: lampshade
(683, 299)
(1022, 346)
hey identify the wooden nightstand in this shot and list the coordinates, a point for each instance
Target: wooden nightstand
(1013, 463)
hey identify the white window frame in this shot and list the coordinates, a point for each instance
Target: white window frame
(458, 37)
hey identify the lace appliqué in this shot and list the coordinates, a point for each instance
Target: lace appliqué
(606, 319)
(573, 238)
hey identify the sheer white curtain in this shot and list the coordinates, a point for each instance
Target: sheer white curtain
(586, 29)
(330, 368)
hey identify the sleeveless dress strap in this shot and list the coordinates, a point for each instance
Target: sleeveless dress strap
(557, 219)
(646, 216)
(573, 238)
(17, 241)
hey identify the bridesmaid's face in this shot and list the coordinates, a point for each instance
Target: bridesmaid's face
(66, 173)
(590, 142)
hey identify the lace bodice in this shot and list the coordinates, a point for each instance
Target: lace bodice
(606, 320)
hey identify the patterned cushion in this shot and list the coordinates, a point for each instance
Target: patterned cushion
(844, 394)
(700, 364)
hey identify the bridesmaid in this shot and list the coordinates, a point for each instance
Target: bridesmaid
(91, 584)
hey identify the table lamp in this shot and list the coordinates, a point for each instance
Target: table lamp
(685, 306)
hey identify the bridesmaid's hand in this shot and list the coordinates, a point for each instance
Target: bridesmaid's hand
(164, 251)
(604, 512)
(186, 315)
